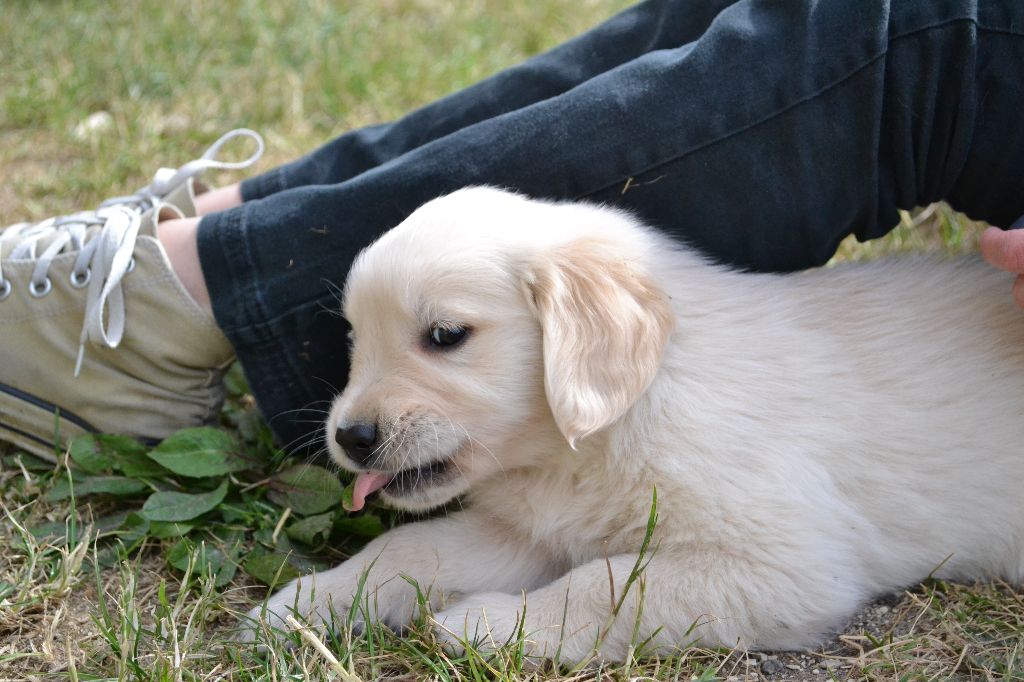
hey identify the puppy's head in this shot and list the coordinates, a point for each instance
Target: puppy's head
(485, 326)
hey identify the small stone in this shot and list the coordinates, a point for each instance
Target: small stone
(815, 672)
(832, 663)
(883, 609)
(95, 124)
(793, 666)
(749, 662)
(771, 666)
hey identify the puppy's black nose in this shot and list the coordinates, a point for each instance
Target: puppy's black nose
(359, 441)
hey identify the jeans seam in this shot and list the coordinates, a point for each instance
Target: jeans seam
(242, 268)
(256, 294)
(264, 185)
(782, 110)
(1001, 31)
(275, 371)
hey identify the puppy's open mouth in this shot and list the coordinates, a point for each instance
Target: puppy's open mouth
(397, 483)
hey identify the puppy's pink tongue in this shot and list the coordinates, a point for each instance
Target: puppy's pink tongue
(367, 483)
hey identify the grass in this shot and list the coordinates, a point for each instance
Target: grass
(90, 592)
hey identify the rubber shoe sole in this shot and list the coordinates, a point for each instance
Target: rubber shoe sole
(24, 417)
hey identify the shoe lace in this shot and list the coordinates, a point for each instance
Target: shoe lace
(105, 255)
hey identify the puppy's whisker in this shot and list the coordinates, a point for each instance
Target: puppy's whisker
(303, 441)
(473, 442)
(437, 441)
(308, 408)
(405, 453)
(461, 472)
(329, 385)
(379, 452)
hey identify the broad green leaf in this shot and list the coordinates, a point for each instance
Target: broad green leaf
(94, 485)
(305, 488)
(56, 531)
(199, 453)
(227, 572)
(133, 531)
(270, 569)
(312, 530)
(363, 525)
(284, 546)
(174, 506)
(163, 529)
(208, 559)
(140, 466)
(26, 461)
(86, 452)
(104, 452)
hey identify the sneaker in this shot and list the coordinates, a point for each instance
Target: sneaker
(70, 363)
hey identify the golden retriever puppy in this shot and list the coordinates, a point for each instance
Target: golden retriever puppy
(815, 439)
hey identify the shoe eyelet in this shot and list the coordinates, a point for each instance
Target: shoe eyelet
(131, 266)
(5, 289)
(80, 280)
(40, 291)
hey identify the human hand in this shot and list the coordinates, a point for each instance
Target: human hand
(1005, 250)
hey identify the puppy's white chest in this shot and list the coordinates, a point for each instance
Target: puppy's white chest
(577, 517)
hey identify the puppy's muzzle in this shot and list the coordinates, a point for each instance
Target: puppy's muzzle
(359, 441)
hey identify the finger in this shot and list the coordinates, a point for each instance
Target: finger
(1018, 291)
(1004, 249)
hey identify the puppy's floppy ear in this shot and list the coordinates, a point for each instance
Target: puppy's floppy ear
(605, 324)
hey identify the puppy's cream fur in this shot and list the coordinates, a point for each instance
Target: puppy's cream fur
(815, 439)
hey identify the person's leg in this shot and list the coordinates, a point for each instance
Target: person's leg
(780, 130)
(646, 27)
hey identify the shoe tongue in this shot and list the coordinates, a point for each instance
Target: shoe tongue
(157, 214)
(183, 197)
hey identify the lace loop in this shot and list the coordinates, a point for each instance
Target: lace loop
(165, 180)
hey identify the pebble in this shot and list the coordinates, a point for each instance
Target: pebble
(770, 666)
(94, 124)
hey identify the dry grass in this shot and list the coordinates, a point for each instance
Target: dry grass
(173, 75)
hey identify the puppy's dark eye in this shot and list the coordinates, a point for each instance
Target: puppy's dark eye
(447, 337)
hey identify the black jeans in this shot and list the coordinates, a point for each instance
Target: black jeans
(761, 131)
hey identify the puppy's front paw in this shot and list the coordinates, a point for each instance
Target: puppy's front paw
(491, 620)
(329, 600)
(302, 599)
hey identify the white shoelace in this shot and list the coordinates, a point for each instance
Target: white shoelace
(105, 255)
